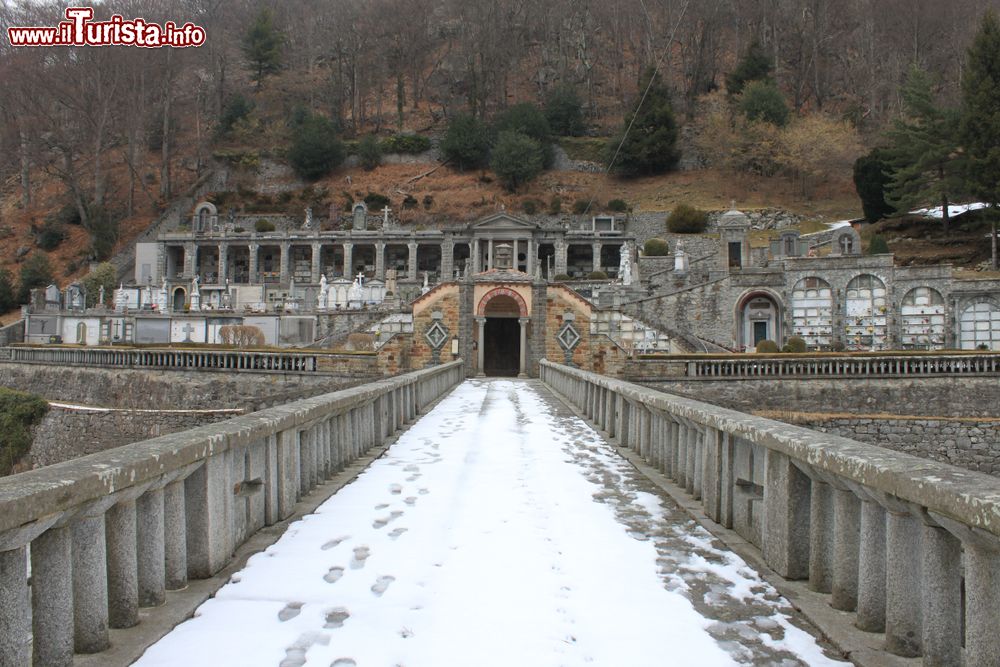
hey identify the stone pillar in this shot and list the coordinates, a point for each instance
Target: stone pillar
(15, 609)
(379, 260)
(476, 260)
(847, 526)
(902, 589)
(480, 352)
(411, 264)
(447, 260)
(150, 548)
(522, 364)
(786, 517)
(489, 256)
(560, 260)
(821, 537)
(596, 250)
(283, 263)
(530, 257)
(317, 266)
(174, 536)
(161, 263)
(223, 263)
(208, 512)
(52, 598)
(871, 568)
(348, 261)
(942, 597)
(123, 585)
(190, 260)
(253, 248)
(982, 616)
(90, 584)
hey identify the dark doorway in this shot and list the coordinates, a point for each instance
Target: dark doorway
(735, 254)
(502, 351)
(759, 332)
(179, 299)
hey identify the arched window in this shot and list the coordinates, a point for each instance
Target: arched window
(922, 319)
(980, 326)
(812, 312)
(866, 317)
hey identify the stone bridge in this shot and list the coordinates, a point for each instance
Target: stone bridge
(576, 519)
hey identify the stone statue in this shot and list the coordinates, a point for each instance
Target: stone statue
(195, 293)
(390, 281)
(309, 219)
(100, 296)
(324, 293)
(625, 266)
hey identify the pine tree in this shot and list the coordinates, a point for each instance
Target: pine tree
(755, 65)
(981, 118)
(262, 46)
(649, 145)
(517, 158)
(871, 177)
(923, 149)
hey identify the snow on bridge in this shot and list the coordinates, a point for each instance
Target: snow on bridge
(499, 530)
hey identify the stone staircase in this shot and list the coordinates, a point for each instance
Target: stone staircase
(385, 329)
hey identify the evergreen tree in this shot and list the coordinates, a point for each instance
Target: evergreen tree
(923, 149)
(526, 119)
(262, 46)
(466, 142)
(103, 275)
(755, 65)
(980, 127)
(650, 133)
(369, 152)
(517, 158)
(564, 111)
(878, 246)
(7, 300)
(762, 101)
(315, 149)
(35, 273)
(872, 174)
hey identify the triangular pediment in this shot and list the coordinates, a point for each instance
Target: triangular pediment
(502, 221)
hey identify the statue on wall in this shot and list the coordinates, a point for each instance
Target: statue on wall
(324, 293)
(625, 265)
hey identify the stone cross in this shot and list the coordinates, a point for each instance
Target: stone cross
(188, 330)
(360, 278)
(385, 215)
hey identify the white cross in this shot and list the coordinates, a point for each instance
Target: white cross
(385, 215)
(361, 277)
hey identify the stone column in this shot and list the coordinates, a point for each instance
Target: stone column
(522, 364)
(223, 263)
(480, 352)
(380, 260)
(348, 260)
(560, 260)
(902, 589)
(317, 266)
(283, 263)
(52, 598)
(447, 260)
(150, 545)
(174, 536)
(475, 257)
(530, 257)
(596, 250)
(942, 597)
(190, 260)
(820, 537)
(90, 584)
(15, 608)
(123, 585)
(786, 517)
(253, 248)
(982, 617)
(847, 524)
(161, 263)
(411, 264)
(871, 568)
(489, 256)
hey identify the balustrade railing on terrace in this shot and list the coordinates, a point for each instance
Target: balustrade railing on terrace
(300, 362)
(883, 365)
(111, 532)
(911, 546)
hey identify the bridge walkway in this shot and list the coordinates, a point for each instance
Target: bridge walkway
(500, 529)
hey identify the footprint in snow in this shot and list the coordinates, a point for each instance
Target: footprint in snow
(334, 542)
(396, 532)
(290, 611)
(382, 584)
(395, 489)
(333, 575)
(343, 662)
(335, 618)
(381, 506)
(423, 492)
(361, 554)
(410, 500)
(295, 655)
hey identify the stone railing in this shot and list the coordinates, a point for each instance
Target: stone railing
(753, 366)
(111, 532)
(908, 544)
(177, 359)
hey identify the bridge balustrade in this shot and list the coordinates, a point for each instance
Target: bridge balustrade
(109, 533)
(911, 546)
(847, 366)
(282, 362)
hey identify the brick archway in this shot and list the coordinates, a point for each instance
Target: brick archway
(502, 291)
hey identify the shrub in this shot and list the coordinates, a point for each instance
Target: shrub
(262, 226)
(466, 142)
(656, 248)
(560, 277)
(650, 144)
(618, 205)
(428, 202)
(878, 246)
(68, 214)
(369, 152)
(409, 201)
(406, 143)
(838, 346)
(581, 206)
(526, 119)
(530, 206)
(555, 205)
(517, 158)
(872, 175)
(686, 219)
(241, 335)
(597, 275)
(767, 347)
(104, 275)
(762, 101)
(35, 272)
(564, 111)
(236, 109)
(102, 225)
(8, 299)
(755, 65)
(19, 411)
(50, 235)
(375, 201)
(795, 345)
(316, 150)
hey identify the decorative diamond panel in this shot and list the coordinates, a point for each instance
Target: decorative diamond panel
(436, 335)
(568, 337)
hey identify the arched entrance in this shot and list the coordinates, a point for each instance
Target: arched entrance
(179, 297)
(759, 320)
(502, 317)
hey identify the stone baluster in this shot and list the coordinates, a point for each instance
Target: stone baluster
(52, 597)
(90, 577)
(411, 264)
(786, 517)
(902, 594)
